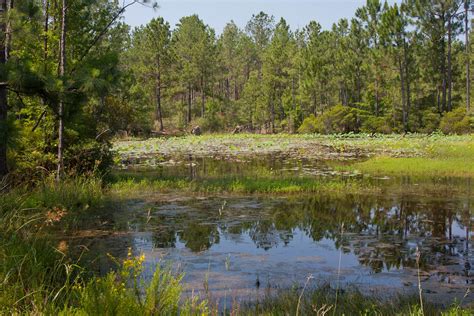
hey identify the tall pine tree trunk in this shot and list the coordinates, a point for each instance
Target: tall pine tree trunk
(62, 71)
(407, 80)
(468, 58)
(376, 97)
(45, 30)
(449, 79)
(3, 90)
(203, 98)
(443, 76)
(159, 113)
(403, 93)
(189, 104)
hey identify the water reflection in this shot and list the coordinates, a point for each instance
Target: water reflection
(382, 231)
(232, 241)
(201, 167)
(282, 240)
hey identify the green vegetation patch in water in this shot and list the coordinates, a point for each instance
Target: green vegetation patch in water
(241, 185)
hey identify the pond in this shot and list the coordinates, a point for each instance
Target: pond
(237, 247)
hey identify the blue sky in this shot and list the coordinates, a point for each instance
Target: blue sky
(217, 13)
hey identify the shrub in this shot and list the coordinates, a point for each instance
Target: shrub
(456, 122)
(309, 125)
(429, 121)
(212, 121)
(373, 124)
(339, 119)
(88, 157)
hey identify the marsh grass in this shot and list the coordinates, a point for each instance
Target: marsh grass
(125, 185)
(321, 301)
(242, 185)
(34, 272)
(418, 167)
(249, 144)
(415, 155)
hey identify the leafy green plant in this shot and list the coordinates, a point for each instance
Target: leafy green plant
(456, 122)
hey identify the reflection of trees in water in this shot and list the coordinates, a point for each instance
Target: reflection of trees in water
(164, 238)
(198, 237)
(383, 231)
(266, 234)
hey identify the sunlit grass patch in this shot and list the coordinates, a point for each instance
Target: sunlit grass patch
(426, 167)
(74, 194)
(242, 185)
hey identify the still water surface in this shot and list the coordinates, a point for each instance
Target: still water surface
(244, 247)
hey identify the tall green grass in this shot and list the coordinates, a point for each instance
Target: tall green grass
(419, 167)
(33, 270)
(242, 185)
(322, 301)
(437, 159)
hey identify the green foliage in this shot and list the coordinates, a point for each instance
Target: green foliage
(35, 273)
(373, 124)
(339, 119)
(430, 121)
(385, 70)
(322, 301)
(118, 292)
(89, 157)
(212, 121)
(309, 125)
(456, 122)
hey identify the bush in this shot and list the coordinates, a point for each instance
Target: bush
(456, 122)
(212, 121)
(429, 121)
(339, 119)
(373, 124)
(88, 158)
(309, 125)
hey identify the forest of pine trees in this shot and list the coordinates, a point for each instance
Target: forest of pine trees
(73, 75)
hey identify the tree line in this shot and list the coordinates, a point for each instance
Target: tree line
(391, 68)
(73, 75)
